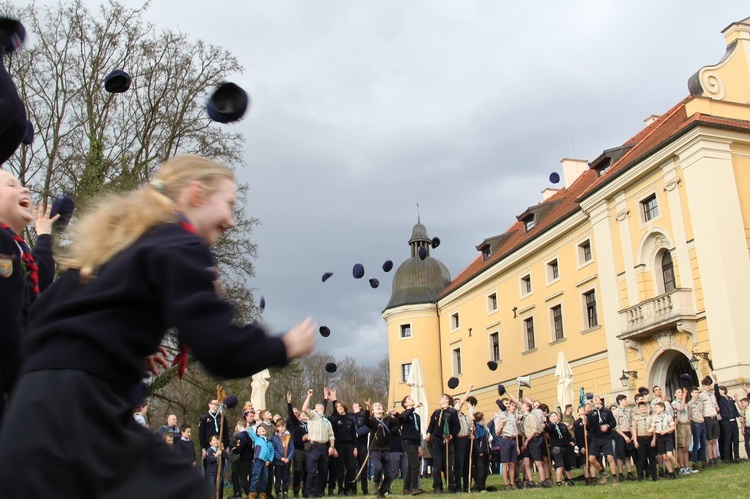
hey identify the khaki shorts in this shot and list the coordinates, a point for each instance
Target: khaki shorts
(683, 435)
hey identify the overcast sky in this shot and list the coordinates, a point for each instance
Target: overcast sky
(362, 109)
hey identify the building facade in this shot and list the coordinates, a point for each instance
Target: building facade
(637, 266)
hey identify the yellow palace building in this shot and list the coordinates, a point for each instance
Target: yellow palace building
(637, 267)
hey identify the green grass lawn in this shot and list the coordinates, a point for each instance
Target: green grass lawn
(725, 482)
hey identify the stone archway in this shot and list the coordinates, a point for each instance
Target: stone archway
(666, 369)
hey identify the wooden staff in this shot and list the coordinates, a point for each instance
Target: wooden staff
(471, 451)
(364, 464)
(586, 442)
(447, 464)
(220, 395)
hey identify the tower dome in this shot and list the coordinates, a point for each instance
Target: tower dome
(416, 280)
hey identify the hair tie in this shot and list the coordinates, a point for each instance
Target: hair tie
(158, 185)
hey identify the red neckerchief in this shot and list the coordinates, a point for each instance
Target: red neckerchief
(181, 359)
(26, 257)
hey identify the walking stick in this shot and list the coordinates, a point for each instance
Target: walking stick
(367, 457)
(220, 395)
(447, 466)
(471, 452)
(586, 444)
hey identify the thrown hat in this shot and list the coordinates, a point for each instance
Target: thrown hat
(64, 206)
(452, 383)
(686, 378)
(331, 367)
(325, 332)
(326, 276)
(501, 390)
(117, 82)
(262, 303)
(492, 365)
(358, 271)
(422, 252)
(500, 405)
(374, 283)
(643, 391)
(28, 137)
(435, 242)
(387, 266)
(13, 123)
(228, 103)
(554, 177)
(589, 395)
(12, 34)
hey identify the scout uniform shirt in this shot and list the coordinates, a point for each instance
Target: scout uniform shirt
(681, 415)
(667, 406)
(661, 422)
(510, 428)
(695, 410)
(319, 429)
(709, 404)
(622, 416)
(531, 426)
(642, 425)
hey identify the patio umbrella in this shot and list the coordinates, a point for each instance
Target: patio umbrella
(564, 381)
(418, 393)
(259, 384)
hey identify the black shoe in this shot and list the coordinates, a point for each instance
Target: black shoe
(631, 477)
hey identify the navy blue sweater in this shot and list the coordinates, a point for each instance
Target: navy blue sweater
(16, 299)
(166, 279)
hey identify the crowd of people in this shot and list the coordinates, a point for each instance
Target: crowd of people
(314, 451)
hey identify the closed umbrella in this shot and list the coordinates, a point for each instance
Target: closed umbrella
(259, 384)
(418, 393)
(564, 381)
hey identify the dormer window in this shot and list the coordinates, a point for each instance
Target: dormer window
(528, 223)
(486, 252)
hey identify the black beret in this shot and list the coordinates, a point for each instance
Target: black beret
(374, 283)
(228, 103)
(64, 206)
(387, 266)
(331, 367)
(13, 123)
(28, 137)
(554, 177)
(262, 303)
(435, 242)
(492, 365)
(326, 276)
(325, 332)
(452, 383)
(117, 82)
(500, 405)
(12, 34)
(358, 271)
(501, 390)
(686, 378)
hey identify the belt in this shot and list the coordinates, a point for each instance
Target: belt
(317, 443)
(709, 417)
(463, 436)
(730, 419)
(516, 437)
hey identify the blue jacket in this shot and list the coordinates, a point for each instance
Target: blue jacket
(278, 449)
(263, 446)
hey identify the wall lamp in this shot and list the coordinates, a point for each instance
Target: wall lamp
(703, 355)
(626, 375)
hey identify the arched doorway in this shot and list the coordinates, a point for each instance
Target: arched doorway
(668, 368)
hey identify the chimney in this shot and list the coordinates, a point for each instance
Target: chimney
(651, 119)
(548, 193)
(572, 169)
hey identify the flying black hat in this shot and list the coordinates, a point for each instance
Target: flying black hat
(374, 283)
(13, 124)
(12, 34)
(387, 266)
(643, 391)
(262, 303)
(64, 206)
(331, 367)
(422, 252)
(554, 177)
(358, 271)
(228, 103)
(500, 390)
(117, 82)
(452, 383)
(492, 365)
(435, 242)
(326, 276)
(686, 378)
(28, 137)
(500, 405)
(325, 332)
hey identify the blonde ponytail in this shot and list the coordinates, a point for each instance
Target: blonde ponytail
(116, 221)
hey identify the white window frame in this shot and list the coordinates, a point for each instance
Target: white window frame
(526, 290)
(581, 251)
(548, 268)
(498, 357)
(552, 330)
(527, 347)
(401, 334)
(642, 208)
(455, 322)
(490, 298)
(457, 361)
(405, 372)
(585, 306)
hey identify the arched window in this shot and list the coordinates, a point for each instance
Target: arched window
(667, 272)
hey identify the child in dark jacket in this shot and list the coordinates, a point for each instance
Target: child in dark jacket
(212, 465)
(560, 441)
(283, 454)
(263, 459)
